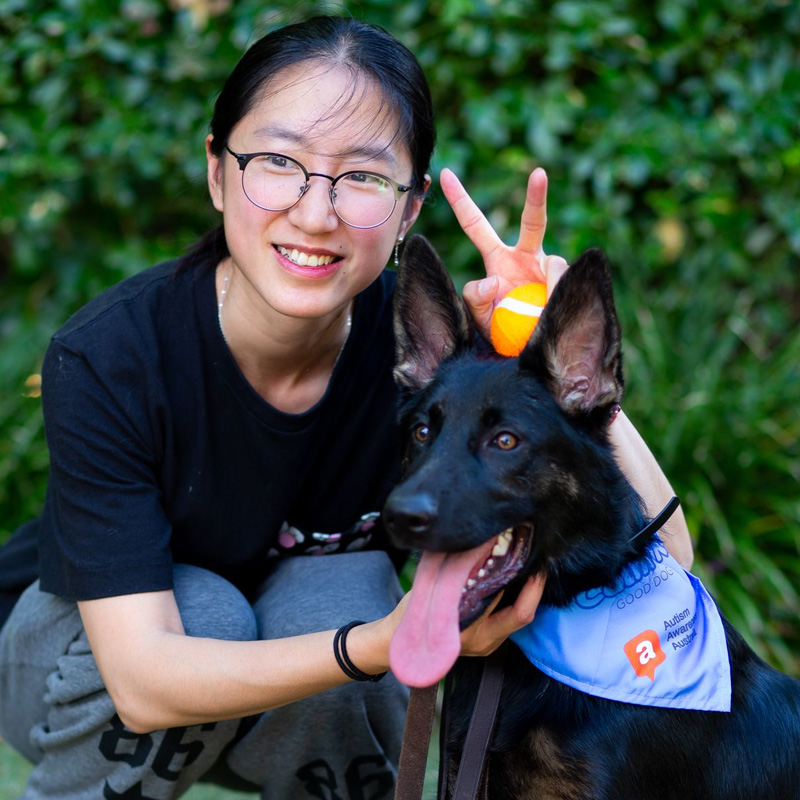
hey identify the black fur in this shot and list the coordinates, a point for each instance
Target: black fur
(462, 486)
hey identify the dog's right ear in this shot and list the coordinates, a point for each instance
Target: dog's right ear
(431, 322)
(575, 348)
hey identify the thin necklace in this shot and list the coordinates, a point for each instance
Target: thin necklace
(348, 325)
(224, 291)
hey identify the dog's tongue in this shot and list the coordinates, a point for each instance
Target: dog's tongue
(427, 642)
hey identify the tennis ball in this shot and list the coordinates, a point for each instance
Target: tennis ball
(515, 317)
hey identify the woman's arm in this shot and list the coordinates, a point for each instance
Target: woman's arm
(158, 677)
(642, 470)
(507, 267)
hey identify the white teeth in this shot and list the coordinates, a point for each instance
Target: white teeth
(481, 573)
(503, 543)
(470, 583)
(304, 259)
(490, 562)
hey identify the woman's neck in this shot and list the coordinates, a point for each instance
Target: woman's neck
(287, 360)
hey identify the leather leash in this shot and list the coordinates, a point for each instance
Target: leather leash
(416, 737)
(481, 725)
(419, 723)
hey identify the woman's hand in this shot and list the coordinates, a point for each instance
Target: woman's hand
(492, 628)
(506, 267)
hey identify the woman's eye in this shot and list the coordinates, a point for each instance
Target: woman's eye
(506, 441)
(421, 433)
(277, 161)
(368, 180)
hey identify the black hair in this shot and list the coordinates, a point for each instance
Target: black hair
(364, 49)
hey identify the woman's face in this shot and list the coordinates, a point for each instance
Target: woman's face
(312, 114)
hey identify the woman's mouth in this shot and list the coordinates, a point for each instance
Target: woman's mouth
(303, 259)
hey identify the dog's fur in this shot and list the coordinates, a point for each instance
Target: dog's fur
(558, 482)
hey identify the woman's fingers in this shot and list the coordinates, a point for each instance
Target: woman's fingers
(480, 297)
(554, 267)
(486, 634)
(469, 216)
(533, 223)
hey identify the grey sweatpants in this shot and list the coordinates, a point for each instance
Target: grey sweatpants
(342, 744)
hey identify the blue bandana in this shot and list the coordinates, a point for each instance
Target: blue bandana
(654, 639)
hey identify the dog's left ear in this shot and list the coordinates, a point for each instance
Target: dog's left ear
(575, 348)
(431, 322)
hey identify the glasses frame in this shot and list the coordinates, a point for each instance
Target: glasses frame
(243, 159)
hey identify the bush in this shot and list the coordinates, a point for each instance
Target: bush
(669, 132)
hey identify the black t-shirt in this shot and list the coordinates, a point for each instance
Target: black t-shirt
(161, 451)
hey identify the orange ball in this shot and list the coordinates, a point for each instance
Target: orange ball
(515, 317)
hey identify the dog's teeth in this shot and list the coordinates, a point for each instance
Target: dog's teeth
(481, 573)
(490, 562)
(501, 548)
(471, 582)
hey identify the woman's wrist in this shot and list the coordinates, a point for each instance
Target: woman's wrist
(363, 649)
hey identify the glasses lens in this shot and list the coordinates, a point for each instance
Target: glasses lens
(273, 182)
(363, 199)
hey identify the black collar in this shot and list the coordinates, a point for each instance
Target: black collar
(660, 519)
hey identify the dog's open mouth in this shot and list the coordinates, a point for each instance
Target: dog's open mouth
(504, 562)
(450, 591)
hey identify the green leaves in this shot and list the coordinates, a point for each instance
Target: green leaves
(670, 134)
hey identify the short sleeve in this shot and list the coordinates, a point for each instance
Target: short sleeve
(104, 531)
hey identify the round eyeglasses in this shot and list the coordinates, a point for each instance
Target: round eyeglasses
(276, 182)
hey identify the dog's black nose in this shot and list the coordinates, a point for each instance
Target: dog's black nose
(409, 517)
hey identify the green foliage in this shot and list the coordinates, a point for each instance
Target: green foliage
(670, 134)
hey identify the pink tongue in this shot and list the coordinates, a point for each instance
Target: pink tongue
(427, 642)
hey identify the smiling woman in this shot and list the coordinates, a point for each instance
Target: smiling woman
(206, 421)
(293, 267)
(219, 422)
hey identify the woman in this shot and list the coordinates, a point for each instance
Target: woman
(215, 424)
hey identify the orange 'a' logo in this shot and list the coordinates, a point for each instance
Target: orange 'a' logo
(645, 654)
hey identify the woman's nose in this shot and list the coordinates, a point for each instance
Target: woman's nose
(314, 211)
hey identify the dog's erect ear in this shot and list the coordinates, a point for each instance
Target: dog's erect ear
(431, 322)
(575, 348)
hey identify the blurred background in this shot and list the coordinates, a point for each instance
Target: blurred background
(670, 131)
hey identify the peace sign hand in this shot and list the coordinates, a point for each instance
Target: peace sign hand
(506, 267)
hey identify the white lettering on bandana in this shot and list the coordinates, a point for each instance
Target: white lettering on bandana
(654, 639)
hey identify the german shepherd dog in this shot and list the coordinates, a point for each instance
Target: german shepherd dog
(521, 446)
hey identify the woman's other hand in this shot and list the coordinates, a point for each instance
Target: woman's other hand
(492, 628)
(506, 267)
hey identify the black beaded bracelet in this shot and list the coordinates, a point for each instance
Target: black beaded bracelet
(343, 660)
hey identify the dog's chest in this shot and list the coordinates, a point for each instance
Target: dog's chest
(538, 770)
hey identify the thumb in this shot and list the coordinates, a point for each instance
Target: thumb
(480, 299)
(554, 268)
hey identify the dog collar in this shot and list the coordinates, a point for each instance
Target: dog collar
(654, 638)
(658, 522)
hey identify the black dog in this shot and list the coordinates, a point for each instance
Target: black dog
(521, 446)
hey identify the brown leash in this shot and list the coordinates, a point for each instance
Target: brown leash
(417, 734)
(416, 737)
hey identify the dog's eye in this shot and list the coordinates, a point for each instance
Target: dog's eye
(506, 441)
(421, 433)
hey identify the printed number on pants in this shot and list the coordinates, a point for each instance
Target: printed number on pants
(366, 778)
(120, 744)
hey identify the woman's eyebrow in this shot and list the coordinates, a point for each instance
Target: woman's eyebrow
(364, 152)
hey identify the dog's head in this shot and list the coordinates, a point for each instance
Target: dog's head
(508, 469)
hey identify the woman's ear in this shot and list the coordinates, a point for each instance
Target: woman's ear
(413, 208)
(214, 175)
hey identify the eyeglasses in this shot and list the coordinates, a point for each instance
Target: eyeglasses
(276, 182)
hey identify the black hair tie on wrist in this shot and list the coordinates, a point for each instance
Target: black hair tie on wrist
(343, 660)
